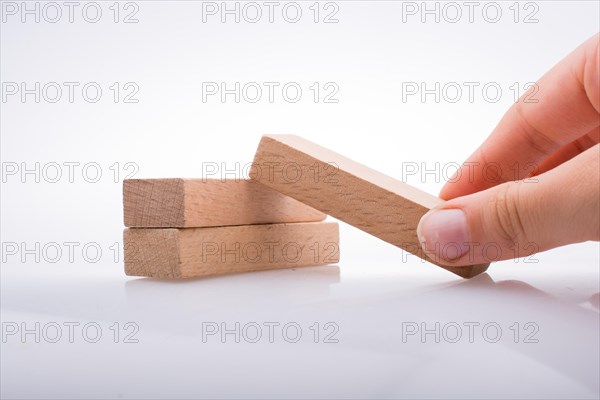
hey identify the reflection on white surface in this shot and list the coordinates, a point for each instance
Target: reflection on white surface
(368, 349)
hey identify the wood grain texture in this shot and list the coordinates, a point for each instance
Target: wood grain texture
(351, 192)
(197, 252)
(186, 203)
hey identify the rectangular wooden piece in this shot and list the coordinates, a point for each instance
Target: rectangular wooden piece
(349, 191)
(188, 203)
(196, 252)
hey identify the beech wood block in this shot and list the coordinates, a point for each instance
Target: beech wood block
(351, 192)
(196, 252)
(186, 203)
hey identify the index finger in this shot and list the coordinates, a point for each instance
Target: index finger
(567, 108)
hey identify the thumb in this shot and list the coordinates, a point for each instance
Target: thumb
(517, 219)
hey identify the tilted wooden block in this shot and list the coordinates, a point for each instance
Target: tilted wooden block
(195, 252)
(351, 192)
(185, 203)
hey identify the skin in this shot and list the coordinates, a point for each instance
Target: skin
(548, 192)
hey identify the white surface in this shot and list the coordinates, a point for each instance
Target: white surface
(368, 302)
(373, 293)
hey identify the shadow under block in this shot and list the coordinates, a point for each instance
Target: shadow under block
(351, 192)
(187, 203)
(196, 252)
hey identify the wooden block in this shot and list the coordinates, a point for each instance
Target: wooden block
(186, 203)
(351, 192)
(195, 252)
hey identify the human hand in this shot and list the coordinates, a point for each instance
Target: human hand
(546, 192)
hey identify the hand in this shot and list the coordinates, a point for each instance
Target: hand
(534, 184)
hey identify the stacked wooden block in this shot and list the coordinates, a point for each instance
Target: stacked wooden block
(181, 228)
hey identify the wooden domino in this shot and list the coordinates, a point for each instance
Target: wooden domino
(351, 192)
(199, 252)
(186, 203)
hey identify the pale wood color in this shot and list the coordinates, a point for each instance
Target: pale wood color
(190, 203)
(351, 192)
(196, 252)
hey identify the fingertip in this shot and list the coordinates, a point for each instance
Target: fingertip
(451, 190)
(445, 193)
(443, 234)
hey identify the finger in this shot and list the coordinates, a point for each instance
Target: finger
(568, 151)
(567, 107)
(516, 219)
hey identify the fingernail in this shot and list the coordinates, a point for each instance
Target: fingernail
(444, 233)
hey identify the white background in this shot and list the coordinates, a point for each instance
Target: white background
(375, 292)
